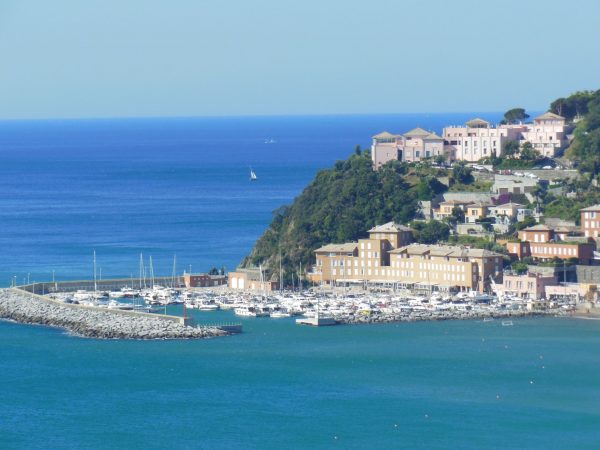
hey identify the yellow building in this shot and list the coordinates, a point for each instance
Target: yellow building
(507, 209)
(377, 260)
(476, 211)
(445, 266)
(357, 260)
(445, 208)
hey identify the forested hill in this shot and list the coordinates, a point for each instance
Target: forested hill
(342, 203)
(339, 205)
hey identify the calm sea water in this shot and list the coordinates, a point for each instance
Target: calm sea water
(161, 187)
(181, 186)
(467, 385)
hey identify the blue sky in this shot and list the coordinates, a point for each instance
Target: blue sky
(124, 58)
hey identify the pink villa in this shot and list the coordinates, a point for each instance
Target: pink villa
(415, 145)
(543, 243)
(478, 139)
(531, 285)
(547, 134)
(471, 142)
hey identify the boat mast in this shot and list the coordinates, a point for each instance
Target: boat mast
(174, 271)
(142, 270)
(280, 272)
(152, 271)
(95, 281)
(262, 280)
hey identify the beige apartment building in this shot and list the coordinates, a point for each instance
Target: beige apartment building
(379, 260)
(356, 261)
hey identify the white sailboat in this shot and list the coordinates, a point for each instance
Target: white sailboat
(253, 176)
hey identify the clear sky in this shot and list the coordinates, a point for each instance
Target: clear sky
(114, 58)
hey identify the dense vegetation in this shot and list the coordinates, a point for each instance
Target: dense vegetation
(340, 205)
(584, 154)
(585, 149)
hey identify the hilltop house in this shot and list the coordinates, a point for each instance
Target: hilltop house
(474, 140)
(478, 139)
(547, 134)
(415, 145)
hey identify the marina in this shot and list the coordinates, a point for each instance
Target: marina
(317, 306)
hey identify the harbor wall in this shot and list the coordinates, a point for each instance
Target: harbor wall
(176, 319)
(101, 323)
(115, 284)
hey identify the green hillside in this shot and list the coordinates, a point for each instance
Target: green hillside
(339, 205)
(342, 203)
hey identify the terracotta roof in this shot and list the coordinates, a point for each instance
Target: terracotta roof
(338, 248)
(385, 135)
(417, 132)
(549, 115)
(538, 227)
(477, 121)
(592, 208)
(434, 136)
(455, 251)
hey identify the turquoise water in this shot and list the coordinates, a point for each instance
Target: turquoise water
(181, 186)
(278, 385)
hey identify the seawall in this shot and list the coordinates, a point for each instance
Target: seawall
(94, 322)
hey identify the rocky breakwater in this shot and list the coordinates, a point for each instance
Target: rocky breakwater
(91, 322)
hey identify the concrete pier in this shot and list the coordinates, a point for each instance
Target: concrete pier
(317, 321)
(94, 322)
(113, 284)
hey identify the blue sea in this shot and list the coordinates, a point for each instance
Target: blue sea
(181, 186)
(161, 187)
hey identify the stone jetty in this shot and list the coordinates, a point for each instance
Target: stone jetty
(436, 315)
(93, 323)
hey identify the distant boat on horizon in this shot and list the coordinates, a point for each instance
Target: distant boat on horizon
(253, 176)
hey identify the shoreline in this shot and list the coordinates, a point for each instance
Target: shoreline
(366, 320)
(84, 322)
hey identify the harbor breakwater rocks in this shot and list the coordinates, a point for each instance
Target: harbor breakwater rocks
(447, 315)
(84, 322)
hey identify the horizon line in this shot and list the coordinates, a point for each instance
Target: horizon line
(239, 116)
